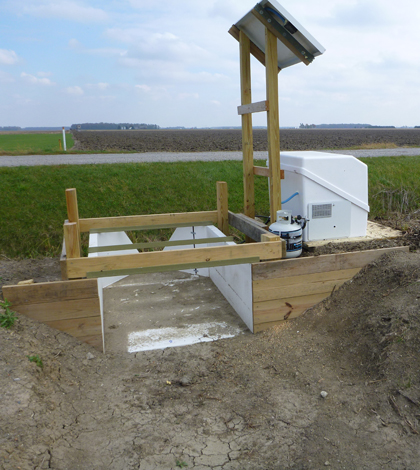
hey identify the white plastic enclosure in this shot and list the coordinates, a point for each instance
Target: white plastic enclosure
(333, 193)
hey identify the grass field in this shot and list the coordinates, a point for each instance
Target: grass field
(33, 207)
(33, 144)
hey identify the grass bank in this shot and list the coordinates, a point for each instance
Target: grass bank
(33, 207)
(34, 144)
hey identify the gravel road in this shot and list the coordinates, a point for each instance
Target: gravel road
(92, 159)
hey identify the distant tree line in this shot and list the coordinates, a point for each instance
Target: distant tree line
(98, 126)
(343, 126)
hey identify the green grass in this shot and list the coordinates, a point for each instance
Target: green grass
(33, 207)
(394, 187)
(33, 144)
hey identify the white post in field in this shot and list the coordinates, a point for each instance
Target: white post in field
(64, 140)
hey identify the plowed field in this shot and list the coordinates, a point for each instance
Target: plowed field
(215, 140)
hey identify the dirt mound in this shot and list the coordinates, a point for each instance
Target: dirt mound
(374, 320)
(251, 402)
(216, 140)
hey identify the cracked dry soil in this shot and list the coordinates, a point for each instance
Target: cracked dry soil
(251, 402)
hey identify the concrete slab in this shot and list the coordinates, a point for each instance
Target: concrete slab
(160, 310)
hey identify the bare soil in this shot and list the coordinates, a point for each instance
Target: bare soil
(215, 140)
(251, 402)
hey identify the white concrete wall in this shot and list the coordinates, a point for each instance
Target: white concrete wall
(234, 282)
(105, 239)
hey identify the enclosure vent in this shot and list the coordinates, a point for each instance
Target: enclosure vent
(320, 211)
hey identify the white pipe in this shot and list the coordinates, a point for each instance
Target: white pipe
(64, 140)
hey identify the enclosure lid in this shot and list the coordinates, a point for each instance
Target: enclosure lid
(344, 175)
(294, 43)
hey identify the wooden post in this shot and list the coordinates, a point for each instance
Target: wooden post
(273, 123)
(72, 240)
(73, 212)
(275, 238)
(247, 139)
(222, 207)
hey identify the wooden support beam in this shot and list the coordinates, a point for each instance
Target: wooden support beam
(270, 237)
(151, 227)
(173, 267)
(72, 241)
(63, 261)
(265, 171)
(247, 137)
(77, 268)
(222, 207)
(255, 50)
(273, 123)
(73, 210)
(258, 107)
(250, 227)
(147, 220)
(197, 241)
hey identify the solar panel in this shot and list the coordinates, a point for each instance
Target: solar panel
(294, 43)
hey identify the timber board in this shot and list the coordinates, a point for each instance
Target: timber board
(45, 292)
(318, 264)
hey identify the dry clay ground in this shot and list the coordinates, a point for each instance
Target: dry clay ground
(251, 402)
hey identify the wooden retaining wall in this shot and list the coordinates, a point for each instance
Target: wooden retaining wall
(284, 289)
(69, 306)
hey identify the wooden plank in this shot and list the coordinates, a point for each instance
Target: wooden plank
(222, 207)
(43, 292)
(154, 227)
(262, 171)
(254, 49)
(273, 123)
(77, 268)
(64, 310)
(250, 227)
(265, 171)
(275, 310)
(282, 282)
(147, 220)
(257, 107)
(63, 261)
(71, 236)
(197, 241)
(174, 267)
(93, 340)
(318, 264)
(247, 136)
(263, 295)
(73, 210)
(79, 327)
(270, 237)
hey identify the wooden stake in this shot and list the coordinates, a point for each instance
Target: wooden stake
(72, 208)
(247, 139)
(222, 207)
(273, 123)
(73, 212)
(72, 240)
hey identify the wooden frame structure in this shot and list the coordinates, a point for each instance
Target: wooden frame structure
(74, 266)
(285, 43)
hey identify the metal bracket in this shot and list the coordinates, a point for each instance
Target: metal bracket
(283, 31)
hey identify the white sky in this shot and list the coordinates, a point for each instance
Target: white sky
(173, 63)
